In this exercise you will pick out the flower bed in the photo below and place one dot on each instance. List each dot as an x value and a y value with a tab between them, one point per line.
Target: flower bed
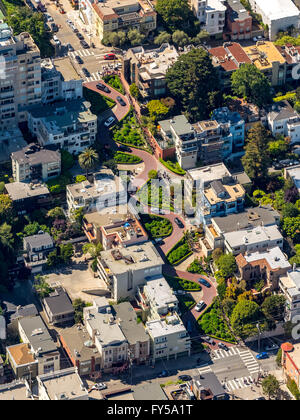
179	252
114	81
173	166
122	157
157	226
178	283
129	133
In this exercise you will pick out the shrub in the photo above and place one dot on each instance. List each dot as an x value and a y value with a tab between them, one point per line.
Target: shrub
121	157
292	386
173	166
114	81
157	226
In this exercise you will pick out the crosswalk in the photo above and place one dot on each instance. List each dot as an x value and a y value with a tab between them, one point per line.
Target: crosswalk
249	361
219	354
204	369
81	53
238	383
94	77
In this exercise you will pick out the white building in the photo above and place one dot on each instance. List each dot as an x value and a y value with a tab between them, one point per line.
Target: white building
211	14
279	15
290	287
67	125
126	269
169	338
258	239
62	385
107	190
106	334
284	120
294	174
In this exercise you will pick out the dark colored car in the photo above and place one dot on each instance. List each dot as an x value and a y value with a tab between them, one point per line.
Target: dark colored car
185	378
54	27
222	346
124	148
78	59
86	72
204	282
102	87
163	374
79	36
121	101
179	222
84	44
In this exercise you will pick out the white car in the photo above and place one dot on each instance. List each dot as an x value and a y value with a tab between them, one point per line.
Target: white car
100	386
56	40
109	121
200	305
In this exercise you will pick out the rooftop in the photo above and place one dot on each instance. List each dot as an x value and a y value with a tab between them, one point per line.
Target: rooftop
224	116
171	325
132	331
220	191
250	218
251	237
150	391
63	385
179	124
274	257
281	111
134	257
278	9
17	390
11	140
238	10
66	69
79	343
230	56
159	292
294	174
59	302
209	173
20	354
263	54
37	334
295	355
209	381
39	240
108	216
291	282
33	154
21	191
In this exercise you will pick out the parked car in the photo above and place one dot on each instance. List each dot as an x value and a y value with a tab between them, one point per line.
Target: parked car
185	378
163	374
78	59
109	121
84	44
79	36
200	306
262	355
102	87
54	27
208	340
180	292
179	223
271	347
99	386
86	72
222	346
70	48
56	40
159	241
109	56
204	282
121	101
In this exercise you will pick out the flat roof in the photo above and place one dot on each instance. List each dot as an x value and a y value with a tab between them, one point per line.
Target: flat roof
291	282
37	334
34	154
263	54
20	353
108	216
14	391
274	257
134	257
295	355
132	331
294	173
179	124
159	291
257	235
63	385
65	67
77	338
209	173
159	327
150	391
278	9
21	190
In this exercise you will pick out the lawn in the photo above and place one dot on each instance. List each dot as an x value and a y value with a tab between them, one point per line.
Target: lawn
157	226
129	132
99	103
121	157
179	252
173	166
196	267
114	81
178	283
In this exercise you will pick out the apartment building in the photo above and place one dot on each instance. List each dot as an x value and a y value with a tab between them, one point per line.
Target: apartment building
60	81
258	239
126	269
157	299
293	173
113	230
284	120
16	391
113	15
290	361
28	197
267	265
34	163
279	15
233	127
104	330
68	125
238	21
36	250
169	338
62	385
248	219
20	82
289	285
33	331
211	15
58	307
22	361
148	68
291	54
134	332
106	190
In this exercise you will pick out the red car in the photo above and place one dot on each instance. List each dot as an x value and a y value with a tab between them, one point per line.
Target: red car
109	56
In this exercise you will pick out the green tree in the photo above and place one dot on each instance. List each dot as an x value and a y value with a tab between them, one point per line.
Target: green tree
152	174
243	317
291	227
67	160
162	37
66	252
250	83
157	109
78	305
256	157
42	287
56	213
278	148
201	37
175	13
88	159
53	259
226	265
80	178
194	83
93	249
180	38
6	236
270	386
134	91
77	215
135	37
273	307
279	357
6	208
289	210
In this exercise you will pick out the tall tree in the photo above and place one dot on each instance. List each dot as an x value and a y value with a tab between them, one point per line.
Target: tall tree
194	82
176	14
270	386
249	82
256	157
88	159
93	249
